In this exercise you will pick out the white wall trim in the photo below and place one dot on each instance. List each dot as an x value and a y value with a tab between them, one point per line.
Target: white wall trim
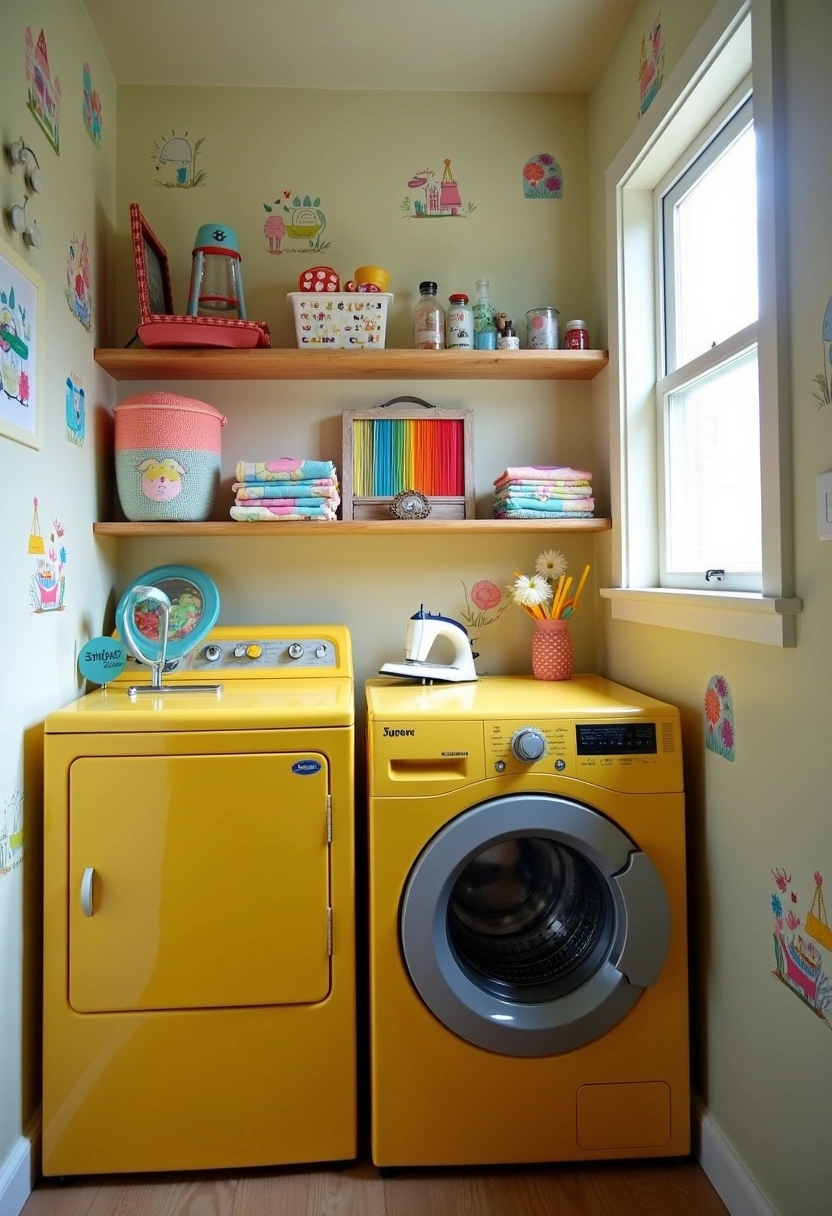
726	1173
20	1170
743	615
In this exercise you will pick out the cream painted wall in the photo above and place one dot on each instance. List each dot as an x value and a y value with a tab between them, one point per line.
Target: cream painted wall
40	649
357	151
763	1060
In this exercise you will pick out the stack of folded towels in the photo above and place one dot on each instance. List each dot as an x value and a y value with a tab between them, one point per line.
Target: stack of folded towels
286	488
543	492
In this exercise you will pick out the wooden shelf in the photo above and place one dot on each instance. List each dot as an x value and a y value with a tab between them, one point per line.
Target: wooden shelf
211	364
351	527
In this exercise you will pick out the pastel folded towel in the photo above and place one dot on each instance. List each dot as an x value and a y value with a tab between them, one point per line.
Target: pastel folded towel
552	506
518	514
297	503
555	489
543	472
285	468
272	514
322	487
543	494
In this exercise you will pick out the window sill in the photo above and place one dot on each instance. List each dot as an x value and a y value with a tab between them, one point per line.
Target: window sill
746	616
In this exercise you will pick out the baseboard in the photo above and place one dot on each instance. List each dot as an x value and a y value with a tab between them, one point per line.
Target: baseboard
19	1171
725	1171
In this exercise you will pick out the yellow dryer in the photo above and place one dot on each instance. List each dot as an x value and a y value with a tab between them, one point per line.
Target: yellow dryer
528	945
199	959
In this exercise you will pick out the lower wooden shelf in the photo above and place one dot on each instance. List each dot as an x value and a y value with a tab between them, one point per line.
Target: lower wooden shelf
351	526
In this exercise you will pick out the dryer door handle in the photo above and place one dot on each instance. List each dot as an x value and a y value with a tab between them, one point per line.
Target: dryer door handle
87	890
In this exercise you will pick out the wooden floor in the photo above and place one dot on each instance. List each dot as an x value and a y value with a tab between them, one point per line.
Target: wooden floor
650	1188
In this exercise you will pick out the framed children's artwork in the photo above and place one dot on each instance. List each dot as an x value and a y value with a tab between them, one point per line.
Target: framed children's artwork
152	269
158	324
22	302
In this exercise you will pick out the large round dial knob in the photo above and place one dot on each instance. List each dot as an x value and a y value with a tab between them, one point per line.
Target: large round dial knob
212	653
295	650
528	744
253	651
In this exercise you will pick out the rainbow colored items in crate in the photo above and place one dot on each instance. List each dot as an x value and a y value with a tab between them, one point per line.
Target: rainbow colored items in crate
343	320
168	451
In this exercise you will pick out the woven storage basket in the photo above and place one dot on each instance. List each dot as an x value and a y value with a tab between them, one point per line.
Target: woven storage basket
168	451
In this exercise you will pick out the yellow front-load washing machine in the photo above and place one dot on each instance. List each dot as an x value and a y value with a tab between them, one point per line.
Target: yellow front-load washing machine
199	958
528	958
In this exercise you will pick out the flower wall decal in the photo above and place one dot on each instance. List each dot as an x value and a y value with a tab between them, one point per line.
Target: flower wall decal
719	718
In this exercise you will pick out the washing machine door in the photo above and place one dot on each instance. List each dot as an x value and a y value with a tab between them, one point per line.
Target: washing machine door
531	924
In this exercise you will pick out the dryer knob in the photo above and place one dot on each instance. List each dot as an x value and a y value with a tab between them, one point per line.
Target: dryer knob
253	651
295	650
212	653
528	745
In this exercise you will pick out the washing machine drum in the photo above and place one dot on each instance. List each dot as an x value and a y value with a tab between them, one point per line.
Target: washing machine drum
531	924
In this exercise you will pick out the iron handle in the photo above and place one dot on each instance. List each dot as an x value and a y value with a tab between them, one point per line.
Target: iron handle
87	890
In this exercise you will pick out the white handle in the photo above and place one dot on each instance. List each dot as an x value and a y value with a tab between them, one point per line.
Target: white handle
87	890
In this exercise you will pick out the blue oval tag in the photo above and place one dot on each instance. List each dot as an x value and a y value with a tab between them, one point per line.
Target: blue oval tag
102	659
305	768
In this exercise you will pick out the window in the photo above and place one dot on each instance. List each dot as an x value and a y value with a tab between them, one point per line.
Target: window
707	400
699	405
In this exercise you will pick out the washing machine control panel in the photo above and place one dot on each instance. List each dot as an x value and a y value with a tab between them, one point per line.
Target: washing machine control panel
247	653
636	754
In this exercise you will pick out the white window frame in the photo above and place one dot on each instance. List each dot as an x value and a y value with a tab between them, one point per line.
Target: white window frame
672	375
738	37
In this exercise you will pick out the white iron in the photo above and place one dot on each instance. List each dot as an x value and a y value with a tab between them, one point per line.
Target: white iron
422	631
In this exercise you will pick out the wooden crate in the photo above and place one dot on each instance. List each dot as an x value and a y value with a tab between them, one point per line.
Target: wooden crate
447	506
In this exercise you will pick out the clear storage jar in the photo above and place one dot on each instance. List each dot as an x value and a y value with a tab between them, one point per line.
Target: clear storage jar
542	328
429	319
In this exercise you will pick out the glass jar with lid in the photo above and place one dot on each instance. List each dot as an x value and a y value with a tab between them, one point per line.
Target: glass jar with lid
459	323
429	319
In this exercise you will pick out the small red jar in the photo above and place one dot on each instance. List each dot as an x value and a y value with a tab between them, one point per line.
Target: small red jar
576	336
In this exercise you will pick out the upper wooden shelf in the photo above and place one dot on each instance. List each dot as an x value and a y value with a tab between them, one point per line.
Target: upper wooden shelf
341	527
292	364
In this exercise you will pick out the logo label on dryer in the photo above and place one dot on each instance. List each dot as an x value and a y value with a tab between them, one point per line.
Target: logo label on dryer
306	768
390	733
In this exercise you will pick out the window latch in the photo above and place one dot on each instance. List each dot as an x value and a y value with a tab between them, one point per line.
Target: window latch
716	575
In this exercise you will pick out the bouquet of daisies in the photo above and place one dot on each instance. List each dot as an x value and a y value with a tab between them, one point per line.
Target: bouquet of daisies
545	595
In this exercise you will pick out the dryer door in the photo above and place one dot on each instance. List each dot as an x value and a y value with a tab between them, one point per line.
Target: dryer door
531	924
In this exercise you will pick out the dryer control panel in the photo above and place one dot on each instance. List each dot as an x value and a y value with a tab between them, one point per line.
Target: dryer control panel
252	651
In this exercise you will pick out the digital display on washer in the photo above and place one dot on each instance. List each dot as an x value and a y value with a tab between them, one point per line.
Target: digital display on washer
623	739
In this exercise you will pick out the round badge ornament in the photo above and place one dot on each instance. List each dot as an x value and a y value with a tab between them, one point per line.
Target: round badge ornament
410	504
102	659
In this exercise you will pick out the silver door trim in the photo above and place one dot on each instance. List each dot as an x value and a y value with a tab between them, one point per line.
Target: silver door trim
640	938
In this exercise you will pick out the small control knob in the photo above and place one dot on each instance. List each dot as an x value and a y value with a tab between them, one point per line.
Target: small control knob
253	651
528	745
320	652
295	650
212	653
239	650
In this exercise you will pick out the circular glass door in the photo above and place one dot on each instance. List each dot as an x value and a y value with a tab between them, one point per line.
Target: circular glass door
530	919
531	924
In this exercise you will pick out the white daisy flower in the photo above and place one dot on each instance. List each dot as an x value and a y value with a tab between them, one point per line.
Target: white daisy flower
529	590
551	564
